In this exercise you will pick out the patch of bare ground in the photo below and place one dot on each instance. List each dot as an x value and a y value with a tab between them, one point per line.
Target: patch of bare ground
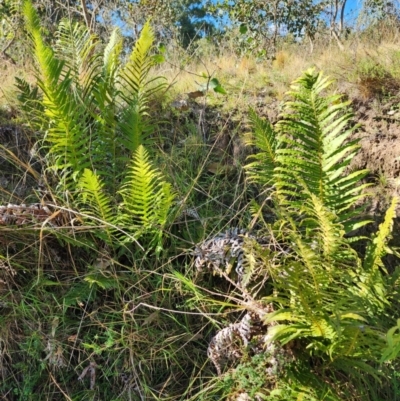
379	136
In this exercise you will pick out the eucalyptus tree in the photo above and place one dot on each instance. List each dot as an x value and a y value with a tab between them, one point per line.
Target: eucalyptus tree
264	21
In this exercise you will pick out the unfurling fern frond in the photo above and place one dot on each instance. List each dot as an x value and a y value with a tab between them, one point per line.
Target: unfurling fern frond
146	197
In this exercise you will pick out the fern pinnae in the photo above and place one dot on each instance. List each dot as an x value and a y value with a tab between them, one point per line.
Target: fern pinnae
334	126
132	126
311	152
335	163
135	72
331	231
30	103
262	165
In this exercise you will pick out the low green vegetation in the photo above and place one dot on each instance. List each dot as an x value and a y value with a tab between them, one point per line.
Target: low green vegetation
140	263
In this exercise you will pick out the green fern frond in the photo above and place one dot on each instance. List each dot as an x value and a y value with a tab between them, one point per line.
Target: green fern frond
75	46
30	103
43	53
315	148
322	230
133	126
330	233
135	73
67	132
310	142
93	196
261	170
112	53
137	89
165	200
371	286
146	196
102	97
378	247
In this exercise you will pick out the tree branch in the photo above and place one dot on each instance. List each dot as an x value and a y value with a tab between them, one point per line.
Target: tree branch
4	50
87	16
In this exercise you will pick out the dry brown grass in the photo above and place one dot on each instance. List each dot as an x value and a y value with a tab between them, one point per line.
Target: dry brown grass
281	60
250	82
7	81
246	79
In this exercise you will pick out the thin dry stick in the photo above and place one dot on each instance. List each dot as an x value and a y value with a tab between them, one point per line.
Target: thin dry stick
170	310
58	386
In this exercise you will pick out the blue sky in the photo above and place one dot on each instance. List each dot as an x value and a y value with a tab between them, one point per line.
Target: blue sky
352	8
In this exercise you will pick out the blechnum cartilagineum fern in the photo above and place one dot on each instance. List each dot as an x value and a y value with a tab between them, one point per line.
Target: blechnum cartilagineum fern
330	305
309	151
94	111
95	107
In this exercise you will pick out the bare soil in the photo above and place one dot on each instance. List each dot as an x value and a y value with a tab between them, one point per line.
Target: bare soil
380	148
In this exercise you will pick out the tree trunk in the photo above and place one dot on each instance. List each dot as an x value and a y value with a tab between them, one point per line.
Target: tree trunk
341	26
87	16
338	41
